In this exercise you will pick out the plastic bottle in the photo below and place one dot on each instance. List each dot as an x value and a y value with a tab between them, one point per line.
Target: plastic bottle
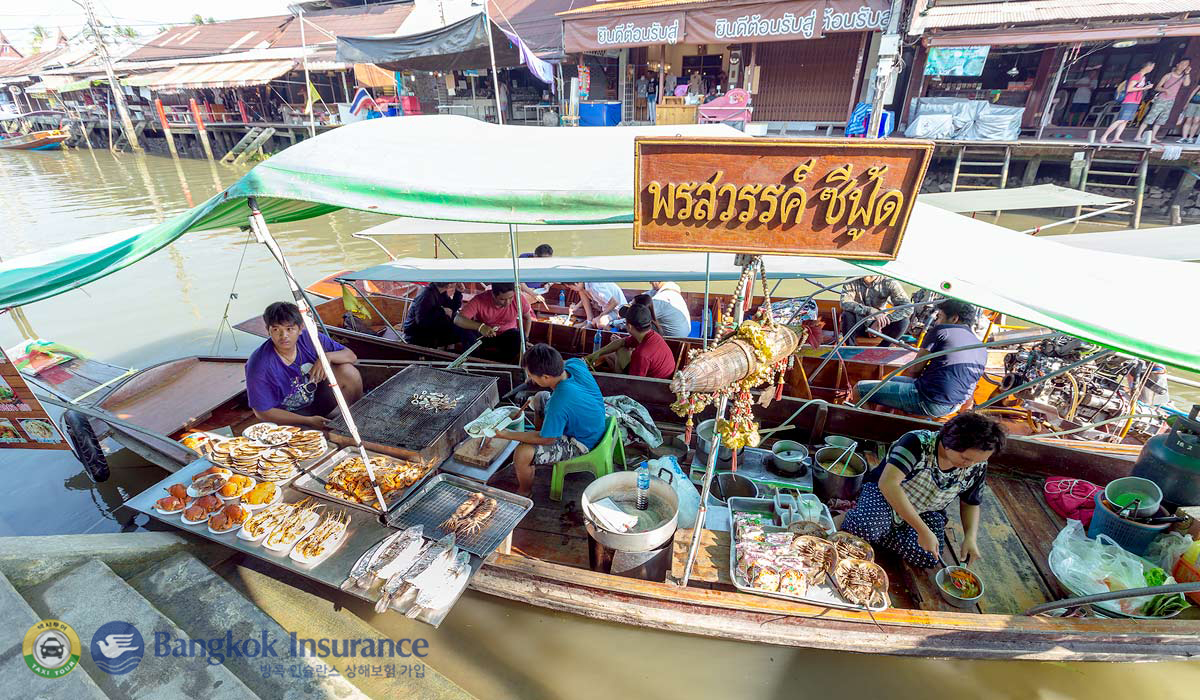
643	486
597	342
562	297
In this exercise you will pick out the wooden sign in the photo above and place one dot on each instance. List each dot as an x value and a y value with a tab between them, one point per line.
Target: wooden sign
23	422
845	198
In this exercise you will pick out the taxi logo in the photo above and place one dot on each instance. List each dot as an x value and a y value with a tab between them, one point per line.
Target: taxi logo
117	648
51	649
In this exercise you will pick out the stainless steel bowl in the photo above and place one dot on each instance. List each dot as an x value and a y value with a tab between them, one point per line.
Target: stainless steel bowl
942	574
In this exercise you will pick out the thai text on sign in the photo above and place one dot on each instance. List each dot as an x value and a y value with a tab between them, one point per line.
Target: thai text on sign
831	197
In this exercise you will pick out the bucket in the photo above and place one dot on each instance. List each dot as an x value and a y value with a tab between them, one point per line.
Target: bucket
1133	537
1122	492
726	485
829	485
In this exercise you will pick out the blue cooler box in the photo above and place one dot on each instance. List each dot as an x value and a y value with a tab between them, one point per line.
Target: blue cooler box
599	113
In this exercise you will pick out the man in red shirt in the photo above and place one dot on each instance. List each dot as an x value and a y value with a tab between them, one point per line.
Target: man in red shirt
644	353
493	314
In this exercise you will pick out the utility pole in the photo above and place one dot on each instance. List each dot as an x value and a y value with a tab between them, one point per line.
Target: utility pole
889	54
118	95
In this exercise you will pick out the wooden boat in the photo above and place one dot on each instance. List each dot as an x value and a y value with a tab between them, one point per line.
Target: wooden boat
51	140
548	563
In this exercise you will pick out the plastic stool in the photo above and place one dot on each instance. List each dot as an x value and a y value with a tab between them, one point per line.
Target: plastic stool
599	461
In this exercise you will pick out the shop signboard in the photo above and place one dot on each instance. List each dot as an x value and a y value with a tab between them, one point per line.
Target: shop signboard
844	198
23	422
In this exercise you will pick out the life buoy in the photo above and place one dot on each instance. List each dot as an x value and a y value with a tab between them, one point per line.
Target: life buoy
86	446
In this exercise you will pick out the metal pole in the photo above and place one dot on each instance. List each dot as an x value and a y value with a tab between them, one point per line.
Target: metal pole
884	72
704	313
263	235
848	334
312	128
1046	112
520	301
709	471
113	84
495	75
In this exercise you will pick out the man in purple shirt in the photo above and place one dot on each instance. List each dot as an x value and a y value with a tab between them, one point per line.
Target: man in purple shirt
285	382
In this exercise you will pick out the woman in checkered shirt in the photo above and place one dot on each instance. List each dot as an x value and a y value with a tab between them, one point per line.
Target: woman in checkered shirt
902	507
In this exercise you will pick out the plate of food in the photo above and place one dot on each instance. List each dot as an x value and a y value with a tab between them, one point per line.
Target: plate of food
229	519
258	430
258	525
208	483
326	537
266	493
276	465
176	500
39	430
202	509
295	526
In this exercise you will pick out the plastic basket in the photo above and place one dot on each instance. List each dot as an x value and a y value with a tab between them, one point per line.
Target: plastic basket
1133	537
1186	572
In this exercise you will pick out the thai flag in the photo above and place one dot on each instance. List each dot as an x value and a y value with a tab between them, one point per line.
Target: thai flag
362	100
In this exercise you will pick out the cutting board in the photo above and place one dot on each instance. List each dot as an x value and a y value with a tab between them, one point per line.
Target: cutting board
471	454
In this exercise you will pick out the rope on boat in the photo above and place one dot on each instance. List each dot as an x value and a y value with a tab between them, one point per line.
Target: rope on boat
224	322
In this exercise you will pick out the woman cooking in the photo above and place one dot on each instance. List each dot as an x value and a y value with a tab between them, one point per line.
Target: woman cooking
902	508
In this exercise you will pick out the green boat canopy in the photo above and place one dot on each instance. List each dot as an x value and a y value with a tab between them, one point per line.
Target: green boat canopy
459	169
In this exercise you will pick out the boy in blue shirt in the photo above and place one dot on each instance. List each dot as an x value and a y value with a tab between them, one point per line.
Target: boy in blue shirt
572	414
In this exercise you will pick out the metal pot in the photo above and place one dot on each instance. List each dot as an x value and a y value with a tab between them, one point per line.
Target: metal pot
704	436
726	485
829	485
656	525
793	464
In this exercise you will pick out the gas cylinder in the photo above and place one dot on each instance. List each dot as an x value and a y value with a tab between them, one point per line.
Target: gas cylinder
1173	460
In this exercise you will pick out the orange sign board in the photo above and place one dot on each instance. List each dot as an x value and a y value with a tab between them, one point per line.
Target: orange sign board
845	198
23	422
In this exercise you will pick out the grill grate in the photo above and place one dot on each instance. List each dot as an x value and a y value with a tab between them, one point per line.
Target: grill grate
438	501
386	415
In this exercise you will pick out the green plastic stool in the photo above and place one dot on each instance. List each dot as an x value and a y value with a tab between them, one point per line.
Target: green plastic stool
598	461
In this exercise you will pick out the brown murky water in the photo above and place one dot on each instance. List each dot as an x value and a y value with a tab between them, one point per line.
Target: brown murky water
174	302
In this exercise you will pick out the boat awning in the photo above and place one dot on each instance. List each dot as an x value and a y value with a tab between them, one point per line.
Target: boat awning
531	175
146	79
80	84
1166	243
1033	197
372	76
191	76
460	45
676	267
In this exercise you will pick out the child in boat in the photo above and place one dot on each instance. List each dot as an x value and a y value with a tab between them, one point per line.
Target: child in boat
643	353
285	382
570	416
902	506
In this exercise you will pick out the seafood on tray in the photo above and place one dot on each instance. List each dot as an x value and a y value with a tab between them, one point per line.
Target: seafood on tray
265	520
490	421
396	551
440	593
276	465
816	554
436	557
861	582
261	495
229	519
324	538
202	509
302	520
471	515
852	546
237	486
257	431
349	480
435	401
176	500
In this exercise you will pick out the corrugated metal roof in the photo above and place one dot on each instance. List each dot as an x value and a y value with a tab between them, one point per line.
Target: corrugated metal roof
616	5
323	27
31	64
1037	11
222	75
210	39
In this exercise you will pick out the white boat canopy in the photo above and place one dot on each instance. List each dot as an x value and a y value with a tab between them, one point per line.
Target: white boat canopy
1165	243
1016	198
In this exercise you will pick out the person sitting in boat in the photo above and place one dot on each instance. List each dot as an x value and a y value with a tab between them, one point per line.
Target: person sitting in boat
671	310
867	295
532	295
569	416
903	503
939	385
600	301
285	382
643	353
430	319
493	315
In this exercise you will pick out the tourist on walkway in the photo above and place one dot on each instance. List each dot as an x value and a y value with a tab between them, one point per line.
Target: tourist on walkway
1131	98
1164	99
902	507
1190	117
943	383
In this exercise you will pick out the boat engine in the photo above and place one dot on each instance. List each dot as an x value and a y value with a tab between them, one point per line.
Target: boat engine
1091	393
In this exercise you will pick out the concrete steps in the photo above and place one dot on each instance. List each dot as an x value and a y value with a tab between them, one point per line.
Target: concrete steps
181	589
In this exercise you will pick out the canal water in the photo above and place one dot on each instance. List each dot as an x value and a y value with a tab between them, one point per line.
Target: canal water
179	301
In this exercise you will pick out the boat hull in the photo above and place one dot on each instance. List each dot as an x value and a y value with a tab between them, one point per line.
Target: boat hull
35	141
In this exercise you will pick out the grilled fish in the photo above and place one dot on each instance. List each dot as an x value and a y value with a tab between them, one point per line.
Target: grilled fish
436	594
398	582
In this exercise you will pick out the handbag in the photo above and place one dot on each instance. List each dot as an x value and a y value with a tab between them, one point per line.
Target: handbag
1073	499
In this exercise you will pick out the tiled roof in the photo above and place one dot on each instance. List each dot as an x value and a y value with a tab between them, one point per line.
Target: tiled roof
372	20
32	64
992	14
211	39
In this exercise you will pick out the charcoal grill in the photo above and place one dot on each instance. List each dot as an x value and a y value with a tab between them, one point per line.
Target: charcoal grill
437	501
390	424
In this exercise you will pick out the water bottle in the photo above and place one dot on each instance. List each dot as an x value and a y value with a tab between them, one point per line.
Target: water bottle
643	486
562	297
597	343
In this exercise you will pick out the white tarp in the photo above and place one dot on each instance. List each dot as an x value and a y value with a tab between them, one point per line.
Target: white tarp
1166	243
1014	198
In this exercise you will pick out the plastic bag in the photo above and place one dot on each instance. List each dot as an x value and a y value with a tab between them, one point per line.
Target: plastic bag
689	497
1087	567
1166	549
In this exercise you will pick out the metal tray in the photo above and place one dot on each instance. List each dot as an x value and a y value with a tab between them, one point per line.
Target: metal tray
306	483
437	500
822	593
